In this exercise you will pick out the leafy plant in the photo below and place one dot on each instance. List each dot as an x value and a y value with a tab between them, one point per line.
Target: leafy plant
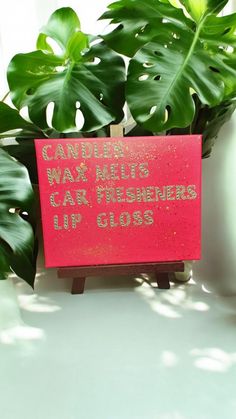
82	81
81	77
181	75
17	245
182	71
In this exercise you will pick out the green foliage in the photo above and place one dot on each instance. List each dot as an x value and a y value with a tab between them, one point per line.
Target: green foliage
16	235
200	8
175	58
182	69
80	78
139	21
10	119
12	125
210	121
207	121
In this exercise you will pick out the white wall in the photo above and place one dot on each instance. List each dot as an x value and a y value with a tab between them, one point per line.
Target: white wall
217	269
218	266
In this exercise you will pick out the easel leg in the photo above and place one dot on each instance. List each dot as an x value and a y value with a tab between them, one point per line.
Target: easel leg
162	279
78	286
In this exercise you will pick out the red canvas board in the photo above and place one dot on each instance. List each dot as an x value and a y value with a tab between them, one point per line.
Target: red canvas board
120	200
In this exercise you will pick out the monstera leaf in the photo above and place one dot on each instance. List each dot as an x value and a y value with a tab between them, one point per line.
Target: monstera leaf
13	125
10	119
197	9
139	21
16	234
79	79
182	59
210	122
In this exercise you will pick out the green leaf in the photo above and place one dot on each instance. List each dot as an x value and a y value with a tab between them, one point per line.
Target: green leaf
139	21
218	36
164	74
200	8
12	125
10	119
24	152
4	261
16	234
211	121
77	44
88	80
61	27
208	122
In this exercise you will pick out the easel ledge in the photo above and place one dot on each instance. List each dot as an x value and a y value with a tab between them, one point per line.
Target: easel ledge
160	270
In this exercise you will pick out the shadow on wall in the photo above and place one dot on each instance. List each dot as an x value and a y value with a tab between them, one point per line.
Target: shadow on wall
217	269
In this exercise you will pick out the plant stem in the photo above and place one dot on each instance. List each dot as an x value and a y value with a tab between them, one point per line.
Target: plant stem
4	97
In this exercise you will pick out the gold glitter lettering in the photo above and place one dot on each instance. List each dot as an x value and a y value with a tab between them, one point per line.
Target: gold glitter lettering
56	223
110	195
114	170
81	197
75	220
148	217
131	196
73	151
150	194
65	225
66	222
170	193
102	174
180	192
112	220
125	219
87	150
107	151
68	199
160	193
141	195
96	151
143	170
133	167
54	175
123	172
81	173
138	219
45	152
192	192
101	222
67	176
52	200
100	194
120	194
119	149
59	153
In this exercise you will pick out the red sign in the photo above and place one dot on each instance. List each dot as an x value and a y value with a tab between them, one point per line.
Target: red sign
120	200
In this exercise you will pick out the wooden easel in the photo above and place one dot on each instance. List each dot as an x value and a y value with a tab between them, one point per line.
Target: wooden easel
160	270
